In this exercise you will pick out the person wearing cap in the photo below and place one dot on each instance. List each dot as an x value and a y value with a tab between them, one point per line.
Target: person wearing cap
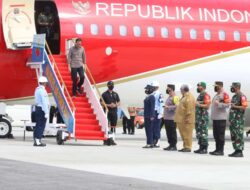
112	101
149	115
42	110
159	109
220	104
202	118
77	61
236	119
185	118
169	111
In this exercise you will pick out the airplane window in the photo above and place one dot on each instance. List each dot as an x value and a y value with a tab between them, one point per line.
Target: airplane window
222	35
108	30
137	31
236	36
164	32
193	34
79	28
123	30
248	36
207	34
94	29
178	33
151	32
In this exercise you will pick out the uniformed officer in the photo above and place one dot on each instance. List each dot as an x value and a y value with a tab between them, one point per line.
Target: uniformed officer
236	119
220	104
185	118
42	110
201	118
159	109
149	115
112	101
169	111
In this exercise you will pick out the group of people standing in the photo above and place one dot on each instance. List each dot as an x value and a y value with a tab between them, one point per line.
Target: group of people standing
187	114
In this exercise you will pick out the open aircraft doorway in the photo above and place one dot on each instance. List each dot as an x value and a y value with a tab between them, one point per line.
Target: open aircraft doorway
47	22
18	23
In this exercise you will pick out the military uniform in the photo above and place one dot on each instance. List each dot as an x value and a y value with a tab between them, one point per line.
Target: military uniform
236	119
202	119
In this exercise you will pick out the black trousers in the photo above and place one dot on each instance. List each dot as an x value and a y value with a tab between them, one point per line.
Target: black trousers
131	124
170	127
40	123
219	127
74	72
125	124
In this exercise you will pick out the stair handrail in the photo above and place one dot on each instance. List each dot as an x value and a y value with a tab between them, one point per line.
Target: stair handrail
60	77
97	89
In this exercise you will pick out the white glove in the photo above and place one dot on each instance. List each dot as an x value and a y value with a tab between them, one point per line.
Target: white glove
160	116
46	116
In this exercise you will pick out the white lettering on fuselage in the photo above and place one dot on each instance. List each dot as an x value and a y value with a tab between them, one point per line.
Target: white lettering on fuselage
171	13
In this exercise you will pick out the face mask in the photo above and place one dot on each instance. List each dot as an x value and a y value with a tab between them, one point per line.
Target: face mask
110	87
167	91
233	90
146	91
216	88
198	90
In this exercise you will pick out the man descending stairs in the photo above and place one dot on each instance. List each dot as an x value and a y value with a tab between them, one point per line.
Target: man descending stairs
86	124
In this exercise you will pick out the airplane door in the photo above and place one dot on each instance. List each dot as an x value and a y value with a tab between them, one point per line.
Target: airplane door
18	23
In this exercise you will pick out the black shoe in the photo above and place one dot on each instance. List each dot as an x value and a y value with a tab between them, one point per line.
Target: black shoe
79	90
184	150
213	152
203	151
124	133
167	148
217	153
197	151
113	143
132	133
236	154
156	146
247	133
148	146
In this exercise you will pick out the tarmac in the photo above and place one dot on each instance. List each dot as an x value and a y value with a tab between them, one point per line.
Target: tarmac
90	165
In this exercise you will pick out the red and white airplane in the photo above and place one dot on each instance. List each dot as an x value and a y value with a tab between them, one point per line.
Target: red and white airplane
132	43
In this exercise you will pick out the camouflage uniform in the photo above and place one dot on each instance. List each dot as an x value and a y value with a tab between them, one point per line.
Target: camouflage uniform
202	120
236	119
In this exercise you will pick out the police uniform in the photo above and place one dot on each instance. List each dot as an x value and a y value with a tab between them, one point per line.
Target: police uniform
149	115
219	115
111	97
170	125
237	119
202	119
41	113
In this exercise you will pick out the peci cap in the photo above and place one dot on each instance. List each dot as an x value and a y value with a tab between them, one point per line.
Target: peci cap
236	84
172	86
42	79
110	83
203	84
218	83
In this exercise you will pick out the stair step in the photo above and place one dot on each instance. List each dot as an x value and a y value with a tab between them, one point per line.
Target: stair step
85	115
89	133
86	121
82	104
89	127
84	110
90	138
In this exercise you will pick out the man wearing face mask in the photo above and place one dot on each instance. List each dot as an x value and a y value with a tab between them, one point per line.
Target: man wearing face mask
169	111
112	101
149	115
201	118
220	104
236	118
185	118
